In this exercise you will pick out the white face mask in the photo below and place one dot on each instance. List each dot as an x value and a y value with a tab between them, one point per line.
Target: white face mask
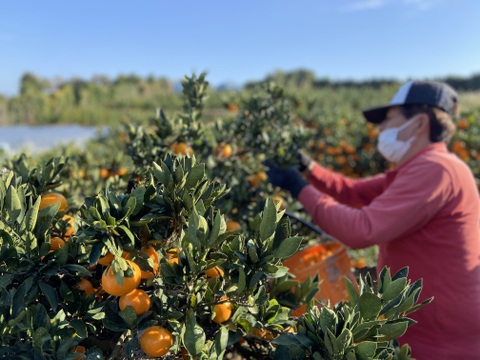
390	147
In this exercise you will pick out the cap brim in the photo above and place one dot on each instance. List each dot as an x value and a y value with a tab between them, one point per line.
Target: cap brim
376	115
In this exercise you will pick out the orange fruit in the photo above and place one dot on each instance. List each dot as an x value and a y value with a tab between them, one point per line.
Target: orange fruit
223	150
278	199
182	148
56	243
138	299
264	334
122	171
106	260
80	350
111	286
156	341
257	178
232	107
71	225
463	123
104	173
233	225
214	272
152	254
86	286
222	311
51	198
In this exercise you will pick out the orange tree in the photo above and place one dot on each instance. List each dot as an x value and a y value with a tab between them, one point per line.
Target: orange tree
174	210
39	299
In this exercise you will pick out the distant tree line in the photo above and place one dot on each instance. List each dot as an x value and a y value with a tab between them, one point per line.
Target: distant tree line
306	79
105	101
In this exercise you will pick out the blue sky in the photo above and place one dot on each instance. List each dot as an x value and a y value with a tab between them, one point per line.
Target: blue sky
238	41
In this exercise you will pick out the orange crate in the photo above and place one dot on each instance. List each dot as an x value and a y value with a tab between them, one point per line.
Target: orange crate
331	262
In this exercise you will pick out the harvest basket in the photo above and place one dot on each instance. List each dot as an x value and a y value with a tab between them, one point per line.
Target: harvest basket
331	262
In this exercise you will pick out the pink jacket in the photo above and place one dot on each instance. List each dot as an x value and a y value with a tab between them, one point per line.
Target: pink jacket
425	214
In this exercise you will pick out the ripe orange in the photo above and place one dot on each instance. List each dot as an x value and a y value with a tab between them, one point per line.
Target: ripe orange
222	311
278	199
104	173
463	123
122	171
214	272
56	243
232	107
182	148
264	334
156	341
233	225
223	150
86	286
152	254
71	225
106	260
111	286
257	178
138	299
51	198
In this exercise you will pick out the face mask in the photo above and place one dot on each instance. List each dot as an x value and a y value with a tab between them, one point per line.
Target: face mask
390	147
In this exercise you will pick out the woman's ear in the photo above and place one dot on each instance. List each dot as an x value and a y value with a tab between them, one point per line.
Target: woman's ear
423	124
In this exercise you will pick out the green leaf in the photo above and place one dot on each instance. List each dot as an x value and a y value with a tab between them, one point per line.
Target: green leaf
215	231
194	337
269	220
221	341
402	273
242	281
31	216
129	316
384	279
343	341
392	331
352	291
129	208
366	350
287	247
79	327
139	194
50	294
394	289
369	305
40	336
79	270
112	320
18	299
195	175
13	204
129	234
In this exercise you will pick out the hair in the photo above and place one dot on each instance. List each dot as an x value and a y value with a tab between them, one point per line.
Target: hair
442	127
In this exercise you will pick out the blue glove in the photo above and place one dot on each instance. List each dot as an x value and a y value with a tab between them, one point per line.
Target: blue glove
289	179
